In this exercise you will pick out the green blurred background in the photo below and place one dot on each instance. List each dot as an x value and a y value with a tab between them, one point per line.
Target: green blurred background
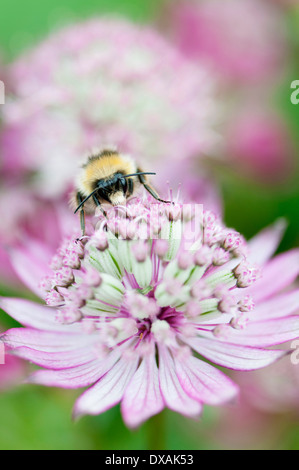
33	417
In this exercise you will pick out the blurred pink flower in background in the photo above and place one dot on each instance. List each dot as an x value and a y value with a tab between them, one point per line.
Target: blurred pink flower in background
12	372
258	143
275	391
243	41
30	224
12	369
266	409
114	303
103	82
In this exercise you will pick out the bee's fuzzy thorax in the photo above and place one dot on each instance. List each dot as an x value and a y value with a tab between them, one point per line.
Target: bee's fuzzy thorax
102	166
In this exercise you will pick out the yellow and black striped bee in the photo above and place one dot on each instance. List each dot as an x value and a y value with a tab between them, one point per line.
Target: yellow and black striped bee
108	177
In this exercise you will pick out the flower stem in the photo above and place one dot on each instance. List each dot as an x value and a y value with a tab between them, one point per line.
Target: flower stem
156	432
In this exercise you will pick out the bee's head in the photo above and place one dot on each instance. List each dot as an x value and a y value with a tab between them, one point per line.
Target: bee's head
114	189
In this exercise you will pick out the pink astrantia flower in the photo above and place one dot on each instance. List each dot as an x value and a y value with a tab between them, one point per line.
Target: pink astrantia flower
131	305
99	82
242	40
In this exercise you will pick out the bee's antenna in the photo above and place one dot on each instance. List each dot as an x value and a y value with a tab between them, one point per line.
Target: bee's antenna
139	173
84	200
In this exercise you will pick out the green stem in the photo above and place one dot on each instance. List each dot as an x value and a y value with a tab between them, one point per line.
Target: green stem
156	432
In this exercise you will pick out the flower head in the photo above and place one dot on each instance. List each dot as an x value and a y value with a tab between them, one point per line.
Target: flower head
142	295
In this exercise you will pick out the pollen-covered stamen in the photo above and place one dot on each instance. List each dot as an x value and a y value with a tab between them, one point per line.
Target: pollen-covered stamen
54	298
201	290
92	277
162	332
56	262
118	331
85	291
68	314
246	304
212	233
46	284
222	331
100	240
208	218
227	304
203	256
240	321
232	241
65	246
77	247
184	260
161	248
235	243
140	250
220	256
64	277
72	260
193	309
75	298
246	274
133	211
141	306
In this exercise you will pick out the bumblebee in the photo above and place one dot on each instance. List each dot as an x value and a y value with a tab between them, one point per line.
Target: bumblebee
108	177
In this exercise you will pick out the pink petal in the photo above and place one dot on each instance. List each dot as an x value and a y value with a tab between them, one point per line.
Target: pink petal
266	332
265	243
174	395
277	307
234	356
35	315
203	382
31	264
279	273
75	377
47	341
142	397
55	350
57	360
108	391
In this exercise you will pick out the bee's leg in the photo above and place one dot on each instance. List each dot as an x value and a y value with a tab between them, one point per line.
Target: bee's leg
130	186
150	189
98	204
82	214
